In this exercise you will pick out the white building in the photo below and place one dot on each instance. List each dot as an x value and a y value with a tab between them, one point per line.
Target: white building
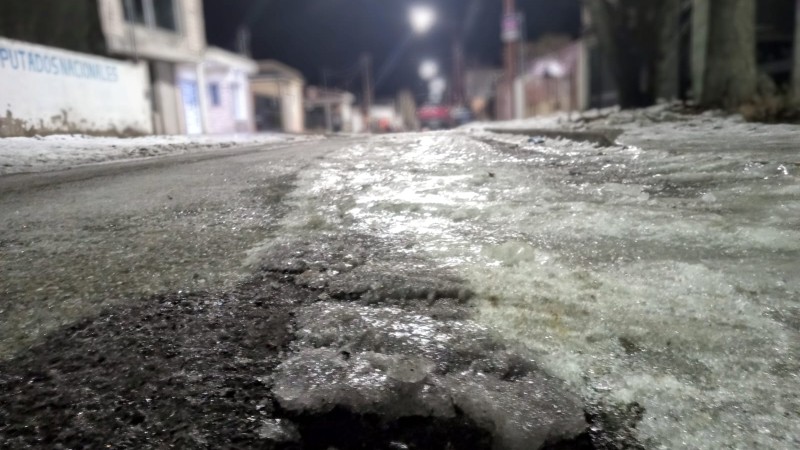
277	91
161	77
230	106
329	110
170	36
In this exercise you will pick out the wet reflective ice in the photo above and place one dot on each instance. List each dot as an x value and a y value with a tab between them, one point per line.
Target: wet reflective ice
664	277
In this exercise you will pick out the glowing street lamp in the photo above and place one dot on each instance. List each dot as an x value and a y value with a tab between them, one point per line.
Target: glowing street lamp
422	18
428	69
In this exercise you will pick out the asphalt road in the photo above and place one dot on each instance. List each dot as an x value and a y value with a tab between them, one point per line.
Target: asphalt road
174	303
75	241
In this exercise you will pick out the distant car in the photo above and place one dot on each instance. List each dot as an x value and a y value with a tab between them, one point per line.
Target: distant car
435	117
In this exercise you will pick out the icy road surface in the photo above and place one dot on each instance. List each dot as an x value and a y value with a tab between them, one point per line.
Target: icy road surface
667	278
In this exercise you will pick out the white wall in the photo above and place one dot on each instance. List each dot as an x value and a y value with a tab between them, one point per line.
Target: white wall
232	114
166	98
47	90
189	86
294	116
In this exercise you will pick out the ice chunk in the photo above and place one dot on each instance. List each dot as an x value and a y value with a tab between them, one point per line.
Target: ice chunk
317	380
396	363
450	344
278	430
522	415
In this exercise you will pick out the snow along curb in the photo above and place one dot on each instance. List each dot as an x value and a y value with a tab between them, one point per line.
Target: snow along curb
59	152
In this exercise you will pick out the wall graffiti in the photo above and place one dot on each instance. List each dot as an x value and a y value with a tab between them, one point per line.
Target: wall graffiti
12	58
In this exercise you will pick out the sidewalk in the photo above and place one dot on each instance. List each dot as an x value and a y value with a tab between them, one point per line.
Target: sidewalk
667	127
59	152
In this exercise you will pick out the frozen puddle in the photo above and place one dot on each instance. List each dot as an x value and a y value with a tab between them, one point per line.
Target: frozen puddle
662	279
397	364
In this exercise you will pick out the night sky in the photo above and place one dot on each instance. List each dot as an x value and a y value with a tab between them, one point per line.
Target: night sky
312	35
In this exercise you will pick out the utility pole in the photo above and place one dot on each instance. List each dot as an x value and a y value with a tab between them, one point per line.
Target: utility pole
328	114
457	90
243	41
511	47
366	67
511	37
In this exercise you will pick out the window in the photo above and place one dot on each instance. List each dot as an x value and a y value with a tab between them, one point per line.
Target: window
152	13
164	11
134	11
213	93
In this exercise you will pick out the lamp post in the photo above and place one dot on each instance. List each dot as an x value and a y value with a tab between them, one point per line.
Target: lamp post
422	18
511	37
428	69
366	67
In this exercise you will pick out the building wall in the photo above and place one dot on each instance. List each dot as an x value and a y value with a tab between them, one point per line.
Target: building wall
293	113
290	94
47	90
229	110
556	81
167	114
174	55
191	104
135	40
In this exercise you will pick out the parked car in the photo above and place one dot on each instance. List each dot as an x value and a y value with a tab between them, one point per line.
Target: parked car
461	115
434	117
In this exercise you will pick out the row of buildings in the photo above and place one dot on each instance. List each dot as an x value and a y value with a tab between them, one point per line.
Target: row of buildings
144	67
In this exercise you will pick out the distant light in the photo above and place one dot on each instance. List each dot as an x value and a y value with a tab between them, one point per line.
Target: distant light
422	18
436	89
428	69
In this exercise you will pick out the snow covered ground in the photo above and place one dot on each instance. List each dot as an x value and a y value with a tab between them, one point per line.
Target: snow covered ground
663	275
57	152
668	127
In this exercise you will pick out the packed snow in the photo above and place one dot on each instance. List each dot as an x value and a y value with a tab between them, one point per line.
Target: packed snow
57	152
663	275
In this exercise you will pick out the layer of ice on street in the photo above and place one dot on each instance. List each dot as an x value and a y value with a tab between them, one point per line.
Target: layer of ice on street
666	277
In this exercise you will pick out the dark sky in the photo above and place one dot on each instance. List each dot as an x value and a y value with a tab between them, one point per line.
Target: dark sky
314	34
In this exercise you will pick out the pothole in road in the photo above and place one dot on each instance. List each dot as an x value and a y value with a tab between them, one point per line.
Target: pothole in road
270	365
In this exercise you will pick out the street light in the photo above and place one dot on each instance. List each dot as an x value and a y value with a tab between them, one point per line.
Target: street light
422	18
428	69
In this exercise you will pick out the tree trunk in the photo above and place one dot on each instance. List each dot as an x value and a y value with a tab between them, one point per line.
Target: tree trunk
622	30
796	70
729	73
668	66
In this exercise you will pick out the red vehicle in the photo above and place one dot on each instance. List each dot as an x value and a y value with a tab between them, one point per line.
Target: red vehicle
434	117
